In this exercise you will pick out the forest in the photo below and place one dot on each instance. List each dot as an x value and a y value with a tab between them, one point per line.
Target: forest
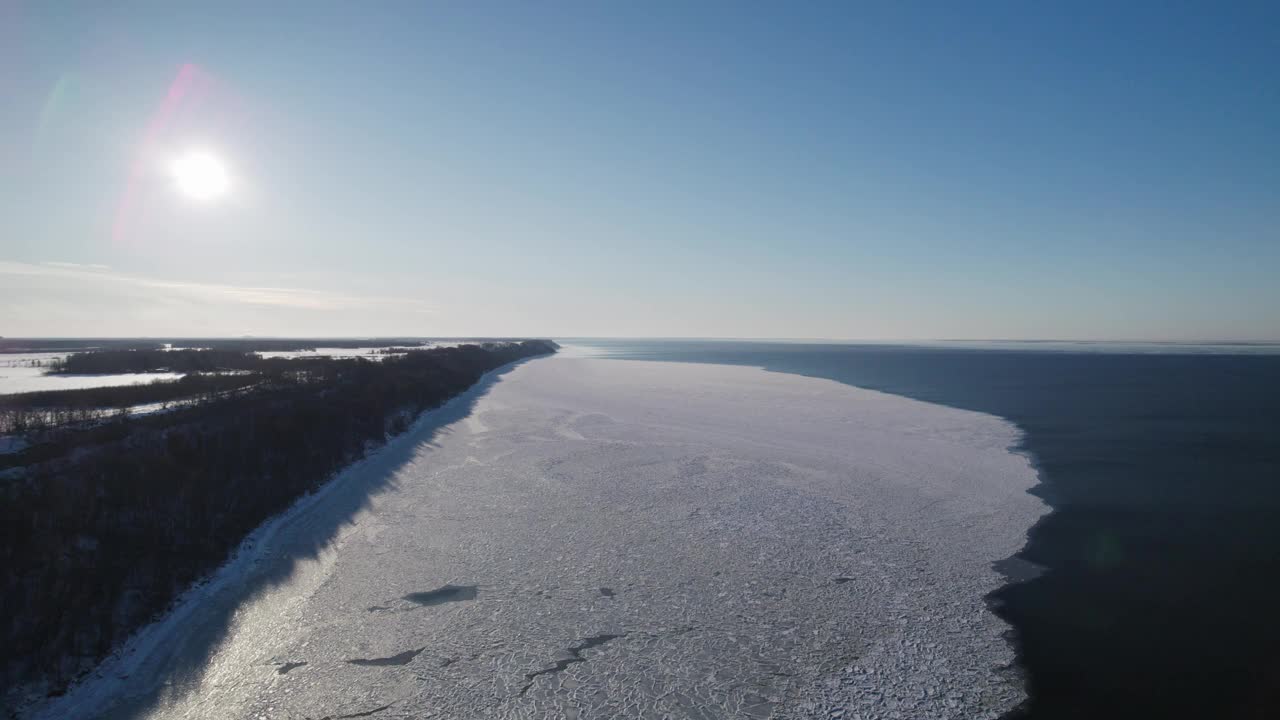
43	411
109	362
104	523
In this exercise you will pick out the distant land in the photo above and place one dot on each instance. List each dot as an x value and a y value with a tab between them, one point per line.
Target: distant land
118	498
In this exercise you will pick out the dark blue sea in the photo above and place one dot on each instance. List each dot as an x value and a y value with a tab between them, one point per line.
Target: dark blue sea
1161	595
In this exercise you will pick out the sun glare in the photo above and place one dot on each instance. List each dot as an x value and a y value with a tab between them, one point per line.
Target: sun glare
200	175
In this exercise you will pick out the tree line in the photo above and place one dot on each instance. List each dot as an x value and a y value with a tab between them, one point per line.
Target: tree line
104	525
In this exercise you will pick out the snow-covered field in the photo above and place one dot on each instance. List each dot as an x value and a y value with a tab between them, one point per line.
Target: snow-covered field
20	379
601	538
370	353
25	372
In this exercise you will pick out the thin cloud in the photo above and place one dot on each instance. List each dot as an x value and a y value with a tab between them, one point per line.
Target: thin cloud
296	298
77	266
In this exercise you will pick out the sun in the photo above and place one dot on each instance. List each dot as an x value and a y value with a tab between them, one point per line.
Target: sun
200	175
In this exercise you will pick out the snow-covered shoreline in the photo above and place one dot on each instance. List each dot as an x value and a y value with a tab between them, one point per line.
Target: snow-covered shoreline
112	676
775	544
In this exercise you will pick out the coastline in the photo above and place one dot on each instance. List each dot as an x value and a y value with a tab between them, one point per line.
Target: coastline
108	680
847	574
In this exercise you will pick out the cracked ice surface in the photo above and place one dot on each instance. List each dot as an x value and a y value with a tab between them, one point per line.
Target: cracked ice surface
609	538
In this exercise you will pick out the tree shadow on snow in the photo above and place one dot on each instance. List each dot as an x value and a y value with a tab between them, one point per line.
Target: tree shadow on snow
184	640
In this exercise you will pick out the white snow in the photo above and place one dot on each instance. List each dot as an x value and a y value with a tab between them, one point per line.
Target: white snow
33	379
770	544
370	353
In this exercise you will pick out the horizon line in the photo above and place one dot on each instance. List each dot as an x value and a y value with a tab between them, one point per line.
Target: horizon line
761	338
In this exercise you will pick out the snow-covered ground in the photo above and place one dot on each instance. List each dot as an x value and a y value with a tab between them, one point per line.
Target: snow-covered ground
33	379
371	353
602	538
25	372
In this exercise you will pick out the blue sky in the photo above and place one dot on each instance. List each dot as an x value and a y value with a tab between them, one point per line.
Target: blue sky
847	170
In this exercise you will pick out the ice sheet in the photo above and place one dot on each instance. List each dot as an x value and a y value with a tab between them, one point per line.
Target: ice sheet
605	538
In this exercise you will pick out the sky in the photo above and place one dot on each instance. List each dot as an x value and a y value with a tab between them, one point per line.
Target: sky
851	170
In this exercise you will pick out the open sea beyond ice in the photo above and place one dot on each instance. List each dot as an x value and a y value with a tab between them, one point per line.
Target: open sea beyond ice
1162	466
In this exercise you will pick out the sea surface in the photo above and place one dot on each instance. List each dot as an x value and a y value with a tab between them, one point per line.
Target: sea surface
1161	556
